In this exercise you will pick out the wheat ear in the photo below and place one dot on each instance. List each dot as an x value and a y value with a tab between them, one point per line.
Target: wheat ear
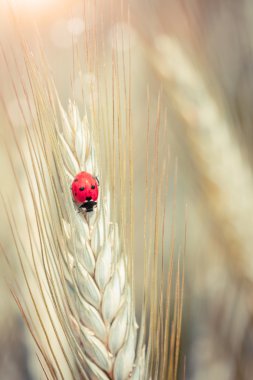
214	152
85	269
96	275
77	260
97	301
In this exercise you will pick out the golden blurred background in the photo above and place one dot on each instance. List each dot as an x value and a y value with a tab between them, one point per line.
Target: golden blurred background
197	56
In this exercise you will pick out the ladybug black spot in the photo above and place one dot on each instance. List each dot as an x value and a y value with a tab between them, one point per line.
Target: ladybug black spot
93	187
81	188
76	180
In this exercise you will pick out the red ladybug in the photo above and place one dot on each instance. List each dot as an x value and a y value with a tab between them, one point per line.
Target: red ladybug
85	191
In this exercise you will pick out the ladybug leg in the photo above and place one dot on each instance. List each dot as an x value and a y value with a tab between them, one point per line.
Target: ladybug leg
97	180
80	208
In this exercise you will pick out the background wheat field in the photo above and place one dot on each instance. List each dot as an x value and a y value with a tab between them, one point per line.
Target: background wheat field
154	97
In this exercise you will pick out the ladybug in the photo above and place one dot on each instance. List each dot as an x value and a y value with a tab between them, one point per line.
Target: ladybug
85	191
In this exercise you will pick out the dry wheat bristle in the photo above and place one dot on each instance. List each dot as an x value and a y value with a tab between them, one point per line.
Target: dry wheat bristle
82	268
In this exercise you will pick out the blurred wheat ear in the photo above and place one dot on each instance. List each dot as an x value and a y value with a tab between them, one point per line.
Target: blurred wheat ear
208	139
78	275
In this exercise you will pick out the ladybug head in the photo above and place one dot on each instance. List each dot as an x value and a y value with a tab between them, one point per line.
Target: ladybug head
84	188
